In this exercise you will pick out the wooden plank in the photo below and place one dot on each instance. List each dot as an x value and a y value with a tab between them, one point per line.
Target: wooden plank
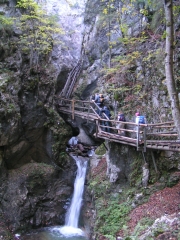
171	126
116	140
163	141
163	135
153	133
92	117
115	136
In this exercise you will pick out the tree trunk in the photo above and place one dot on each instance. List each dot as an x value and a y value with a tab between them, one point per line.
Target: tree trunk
173	95
109	33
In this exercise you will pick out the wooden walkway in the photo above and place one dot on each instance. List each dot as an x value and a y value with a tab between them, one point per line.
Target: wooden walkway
159	136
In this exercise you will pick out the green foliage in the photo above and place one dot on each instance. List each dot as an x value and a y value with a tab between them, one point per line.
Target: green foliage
37	30
6	25
152	9
10	108
110	237
136	173
111	217
142	225
101	150
51	118
176	10
99	186
112	209
6	21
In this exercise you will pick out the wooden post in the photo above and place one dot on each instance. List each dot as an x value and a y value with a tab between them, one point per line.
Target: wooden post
73	109
89	109
144	138
137	135
97	127
144	157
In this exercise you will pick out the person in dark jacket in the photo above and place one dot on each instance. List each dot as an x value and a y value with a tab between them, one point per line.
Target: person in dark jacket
121	124
106	111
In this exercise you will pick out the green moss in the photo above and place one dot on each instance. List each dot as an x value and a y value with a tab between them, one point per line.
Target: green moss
101	150
136	173
61	133
112	207
80	88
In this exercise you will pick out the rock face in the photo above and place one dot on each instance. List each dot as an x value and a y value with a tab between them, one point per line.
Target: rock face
70	16
36	195
36	174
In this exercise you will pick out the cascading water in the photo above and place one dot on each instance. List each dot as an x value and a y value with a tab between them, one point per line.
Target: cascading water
72	217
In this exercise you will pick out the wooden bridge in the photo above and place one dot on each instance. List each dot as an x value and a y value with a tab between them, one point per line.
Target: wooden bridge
162	136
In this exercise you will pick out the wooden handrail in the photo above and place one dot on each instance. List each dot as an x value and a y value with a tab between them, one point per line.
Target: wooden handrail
89	110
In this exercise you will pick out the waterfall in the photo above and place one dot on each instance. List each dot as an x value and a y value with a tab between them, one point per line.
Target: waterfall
72	216
73	213
70	230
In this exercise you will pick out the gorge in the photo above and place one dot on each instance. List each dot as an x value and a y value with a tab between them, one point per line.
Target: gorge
121	46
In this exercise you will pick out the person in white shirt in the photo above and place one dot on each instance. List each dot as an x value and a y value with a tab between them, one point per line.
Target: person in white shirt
140	119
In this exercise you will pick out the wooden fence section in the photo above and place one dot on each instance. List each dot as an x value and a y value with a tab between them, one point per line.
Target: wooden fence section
162	136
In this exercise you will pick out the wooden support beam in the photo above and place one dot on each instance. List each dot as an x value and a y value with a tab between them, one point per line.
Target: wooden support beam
144	139
143	157
154	162
137	138
73	109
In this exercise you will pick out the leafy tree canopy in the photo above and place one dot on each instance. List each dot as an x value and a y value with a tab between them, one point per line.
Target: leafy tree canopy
38	30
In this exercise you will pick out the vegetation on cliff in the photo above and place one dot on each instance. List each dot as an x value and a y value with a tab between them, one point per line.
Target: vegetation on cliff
131	76
132	212
37	31
135	80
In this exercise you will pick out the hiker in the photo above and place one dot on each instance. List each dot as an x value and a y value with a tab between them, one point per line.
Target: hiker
99	100
121	118
96	99
74	143
106	111
140	119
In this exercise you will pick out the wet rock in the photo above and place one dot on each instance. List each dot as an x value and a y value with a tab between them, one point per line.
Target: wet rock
40	193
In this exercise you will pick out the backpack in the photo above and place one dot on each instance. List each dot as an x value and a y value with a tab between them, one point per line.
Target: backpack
121	118
141	120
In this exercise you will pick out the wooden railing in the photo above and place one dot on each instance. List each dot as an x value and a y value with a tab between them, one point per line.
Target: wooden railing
142	136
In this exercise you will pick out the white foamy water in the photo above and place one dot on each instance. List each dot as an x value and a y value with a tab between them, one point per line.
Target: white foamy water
70	231
72	216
